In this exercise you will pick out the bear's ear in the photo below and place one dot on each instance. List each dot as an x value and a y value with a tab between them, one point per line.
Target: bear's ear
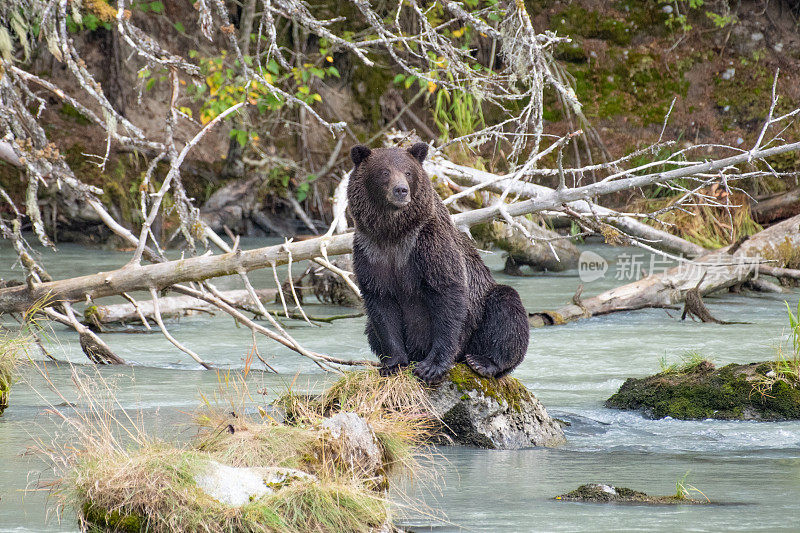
419	151
359	153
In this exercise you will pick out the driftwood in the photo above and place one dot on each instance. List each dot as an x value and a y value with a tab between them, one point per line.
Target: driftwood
169	306
546	250
776	207
711	272
135	277
658	239
693	307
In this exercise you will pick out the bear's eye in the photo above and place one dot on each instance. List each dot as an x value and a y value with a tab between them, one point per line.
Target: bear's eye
385	173
408	174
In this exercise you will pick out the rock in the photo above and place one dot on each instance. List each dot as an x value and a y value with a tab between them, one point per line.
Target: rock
755	391
492	413
237	486
359	447
602	493
536	254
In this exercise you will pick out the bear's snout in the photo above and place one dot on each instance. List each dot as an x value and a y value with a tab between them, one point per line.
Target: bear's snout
398	191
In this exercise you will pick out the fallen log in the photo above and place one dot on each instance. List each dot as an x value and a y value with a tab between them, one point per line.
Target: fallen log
658	239
776	207
169	306
135	277
709	273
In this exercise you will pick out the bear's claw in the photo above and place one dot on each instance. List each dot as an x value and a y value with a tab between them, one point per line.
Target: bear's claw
430	373
478	365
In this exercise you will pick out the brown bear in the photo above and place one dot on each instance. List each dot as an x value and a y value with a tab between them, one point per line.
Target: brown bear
429	298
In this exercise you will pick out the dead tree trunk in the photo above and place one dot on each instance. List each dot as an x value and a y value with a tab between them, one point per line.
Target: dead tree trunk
134	277
777	207
170	306
711	272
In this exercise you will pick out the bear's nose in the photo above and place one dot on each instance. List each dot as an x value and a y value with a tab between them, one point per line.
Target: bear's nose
400	192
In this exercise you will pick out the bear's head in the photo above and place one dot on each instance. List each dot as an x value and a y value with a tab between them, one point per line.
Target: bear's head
389	193
391	176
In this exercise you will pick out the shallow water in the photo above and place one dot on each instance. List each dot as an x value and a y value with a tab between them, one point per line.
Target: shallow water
753	468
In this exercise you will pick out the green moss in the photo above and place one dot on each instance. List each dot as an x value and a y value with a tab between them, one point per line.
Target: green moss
571	52
101	520
595	493
704	392
745	98
73	114
504	390
629	83
575	20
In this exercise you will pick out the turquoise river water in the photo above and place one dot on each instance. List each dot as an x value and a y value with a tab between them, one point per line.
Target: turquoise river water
751	468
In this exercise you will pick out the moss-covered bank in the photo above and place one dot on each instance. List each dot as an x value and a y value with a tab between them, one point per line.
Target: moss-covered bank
752	391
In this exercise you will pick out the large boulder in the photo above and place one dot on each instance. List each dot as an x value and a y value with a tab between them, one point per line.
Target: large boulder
237	486
491	413
357	444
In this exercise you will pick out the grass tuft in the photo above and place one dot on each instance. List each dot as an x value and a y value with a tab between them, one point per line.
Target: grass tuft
117	477
708	225
12	348
691	361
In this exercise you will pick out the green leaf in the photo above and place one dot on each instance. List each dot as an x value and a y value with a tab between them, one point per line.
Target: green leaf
157	7
397	79
179	27
272	66
242	137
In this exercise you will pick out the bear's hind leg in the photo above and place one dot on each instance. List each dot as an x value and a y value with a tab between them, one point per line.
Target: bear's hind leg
499	343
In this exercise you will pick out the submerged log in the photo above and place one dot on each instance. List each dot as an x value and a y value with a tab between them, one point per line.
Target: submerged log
711	272
170	306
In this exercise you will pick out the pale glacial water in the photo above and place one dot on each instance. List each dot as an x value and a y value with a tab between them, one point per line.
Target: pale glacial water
752	469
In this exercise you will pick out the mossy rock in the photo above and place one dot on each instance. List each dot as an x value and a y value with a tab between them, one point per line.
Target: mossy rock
601	493
99	520
491	413
734	392
505	390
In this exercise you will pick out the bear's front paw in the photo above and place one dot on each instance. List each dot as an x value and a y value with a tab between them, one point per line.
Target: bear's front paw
430	372
392	365
386	371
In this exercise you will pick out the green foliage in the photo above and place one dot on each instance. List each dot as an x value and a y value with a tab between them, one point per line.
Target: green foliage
457	112
679	12
12	348
794	327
